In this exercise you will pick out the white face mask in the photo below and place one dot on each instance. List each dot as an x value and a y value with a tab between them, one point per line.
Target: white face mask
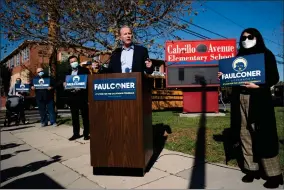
74	65
249	43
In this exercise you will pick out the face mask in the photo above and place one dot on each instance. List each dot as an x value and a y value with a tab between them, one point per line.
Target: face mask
18	82
248	43
74	65
40	74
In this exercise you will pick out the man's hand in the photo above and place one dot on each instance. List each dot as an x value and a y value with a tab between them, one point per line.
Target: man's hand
49	88
75	90
148	63
64	84
95	65
250	85
32	87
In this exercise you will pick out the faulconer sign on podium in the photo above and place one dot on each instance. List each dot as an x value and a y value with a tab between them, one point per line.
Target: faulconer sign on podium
120	112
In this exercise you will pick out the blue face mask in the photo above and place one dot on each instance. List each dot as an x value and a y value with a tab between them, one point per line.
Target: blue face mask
74	65
41	74
18	82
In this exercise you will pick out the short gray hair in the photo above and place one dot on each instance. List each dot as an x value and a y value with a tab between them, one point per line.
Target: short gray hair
124	26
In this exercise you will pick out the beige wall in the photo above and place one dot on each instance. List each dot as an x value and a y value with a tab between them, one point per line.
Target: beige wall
23	75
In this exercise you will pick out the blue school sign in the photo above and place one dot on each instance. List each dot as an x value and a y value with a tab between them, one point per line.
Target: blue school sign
236	71
22	87
41	83
76	81
114	89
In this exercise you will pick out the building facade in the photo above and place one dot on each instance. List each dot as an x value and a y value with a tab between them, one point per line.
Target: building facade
28	56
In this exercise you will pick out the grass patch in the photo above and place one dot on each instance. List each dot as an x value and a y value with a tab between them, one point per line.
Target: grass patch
184	133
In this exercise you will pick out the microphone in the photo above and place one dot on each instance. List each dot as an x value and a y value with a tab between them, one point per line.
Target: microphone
127	70
102	67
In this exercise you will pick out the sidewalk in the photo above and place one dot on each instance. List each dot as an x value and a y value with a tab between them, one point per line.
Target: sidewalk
36	157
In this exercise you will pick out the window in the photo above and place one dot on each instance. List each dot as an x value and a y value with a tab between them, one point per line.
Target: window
12	64
22	56
157	68
18	59
96	58
25	54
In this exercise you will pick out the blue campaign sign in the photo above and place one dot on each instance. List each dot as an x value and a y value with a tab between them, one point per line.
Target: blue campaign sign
41	83
237	70
22	87
76	81
115	89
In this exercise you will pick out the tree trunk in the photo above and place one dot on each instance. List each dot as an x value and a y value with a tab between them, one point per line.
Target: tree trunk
53	31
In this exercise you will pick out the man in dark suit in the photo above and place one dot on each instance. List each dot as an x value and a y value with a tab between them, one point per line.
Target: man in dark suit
45	100
78	101
129	58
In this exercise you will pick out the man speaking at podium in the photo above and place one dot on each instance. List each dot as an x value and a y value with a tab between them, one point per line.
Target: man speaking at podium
129	58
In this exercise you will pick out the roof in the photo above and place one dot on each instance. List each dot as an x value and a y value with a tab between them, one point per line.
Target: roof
25	44
17	49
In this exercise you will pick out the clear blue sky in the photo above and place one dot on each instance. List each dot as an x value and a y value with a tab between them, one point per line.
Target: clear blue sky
266	16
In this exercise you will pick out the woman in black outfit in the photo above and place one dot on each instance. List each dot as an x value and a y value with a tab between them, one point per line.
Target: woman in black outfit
253	117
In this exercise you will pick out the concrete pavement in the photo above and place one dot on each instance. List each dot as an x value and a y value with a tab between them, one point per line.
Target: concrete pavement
36	157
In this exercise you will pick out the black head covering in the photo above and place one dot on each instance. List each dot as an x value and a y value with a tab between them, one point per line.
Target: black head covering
259	46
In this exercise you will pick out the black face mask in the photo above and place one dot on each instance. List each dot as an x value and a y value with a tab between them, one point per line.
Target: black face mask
18	81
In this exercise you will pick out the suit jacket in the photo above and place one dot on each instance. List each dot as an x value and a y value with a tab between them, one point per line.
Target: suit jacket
140	55
82	94
44	94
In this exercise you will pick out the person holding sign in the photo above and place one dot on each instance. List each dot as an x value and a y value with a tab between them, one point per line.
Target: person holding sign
253	117
78	99
44	93
14	92
130	57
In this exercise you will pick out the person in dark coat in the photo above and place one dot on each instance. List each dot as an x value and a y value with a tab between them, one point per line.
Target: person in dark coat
78	101
130	57
253	116
45	100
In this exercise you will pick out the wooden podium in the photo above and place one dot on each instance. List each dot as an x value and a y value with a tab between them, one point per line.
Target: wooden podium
121	135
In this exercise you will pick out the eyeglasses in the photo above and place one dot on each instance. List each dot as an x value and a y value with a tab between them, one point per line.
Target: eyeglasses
250	37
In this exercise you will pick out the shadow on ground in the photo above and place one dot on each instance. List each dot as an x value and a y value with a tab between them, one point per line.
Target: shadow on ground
19	128
174	110
62	121
159	141
13	172
231	146
198	174
38	181
10	145
7	156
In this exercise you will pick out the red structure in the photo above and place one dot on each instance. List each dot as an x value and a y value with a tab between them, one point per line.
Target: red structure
193	66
